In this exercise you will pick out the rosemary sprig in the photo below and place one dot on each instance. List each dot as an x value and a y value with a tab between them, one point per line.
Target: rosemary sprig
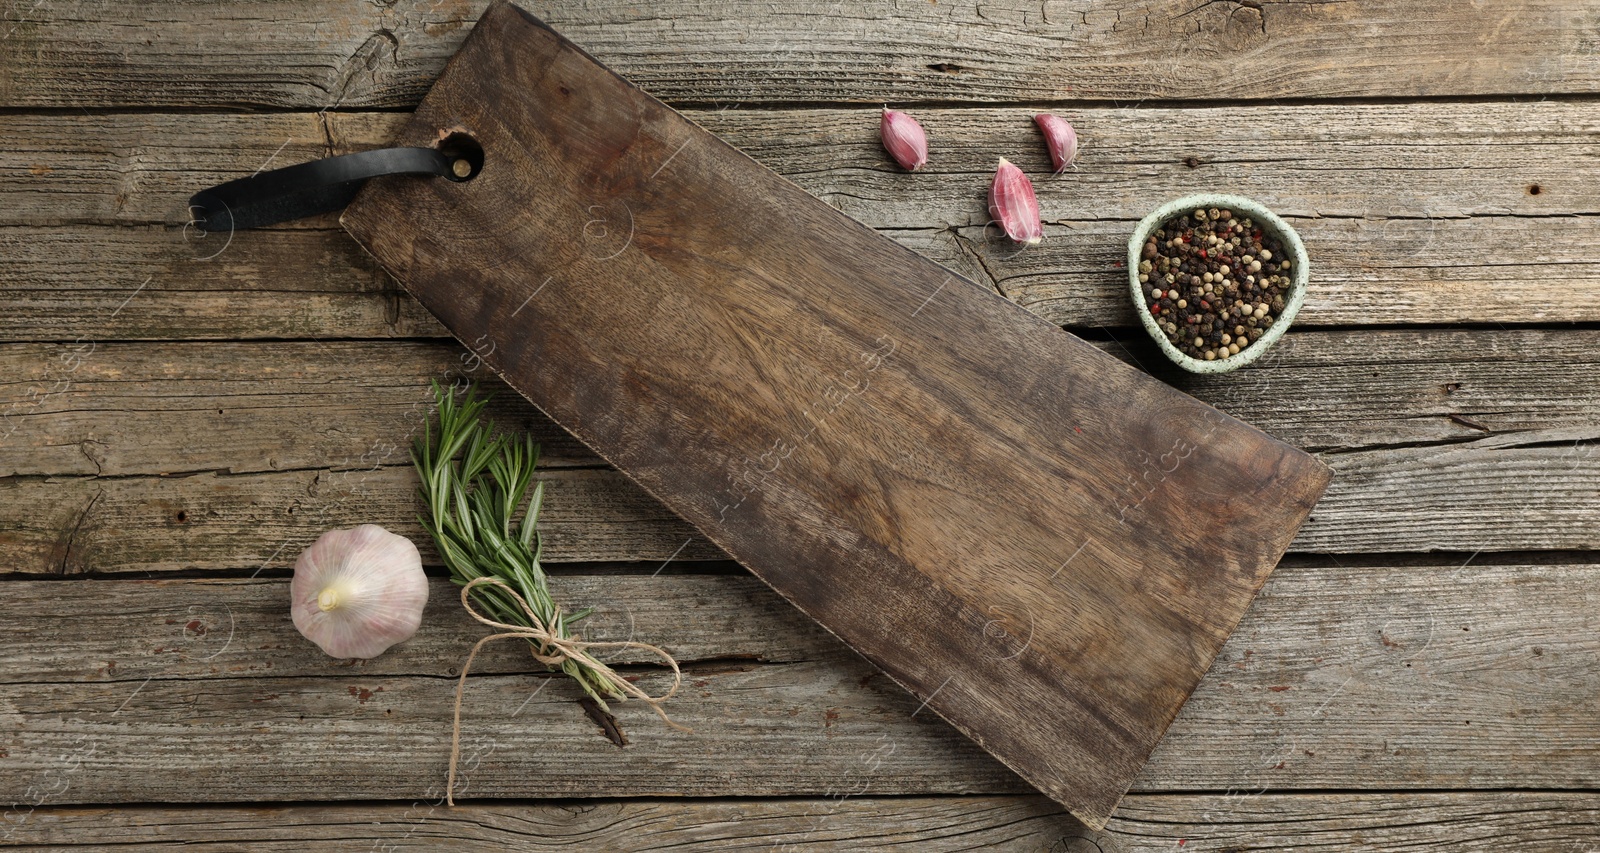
473	483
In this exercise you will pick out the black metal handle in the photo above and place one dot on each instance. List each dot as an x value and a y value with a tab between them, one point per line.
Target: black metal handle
310	188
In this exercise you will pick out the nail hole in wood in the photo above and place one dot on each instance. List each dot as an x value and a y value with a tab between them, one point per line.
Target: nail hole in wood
465	155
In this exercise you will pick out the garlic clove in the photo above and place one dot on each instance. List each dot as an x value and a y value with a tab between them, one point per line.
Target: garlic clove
904	139
1060	138
357	592
1013	205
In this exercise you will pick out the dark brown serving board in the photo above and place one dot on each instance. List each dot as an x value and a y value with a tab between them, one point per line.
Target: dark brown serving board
1047	546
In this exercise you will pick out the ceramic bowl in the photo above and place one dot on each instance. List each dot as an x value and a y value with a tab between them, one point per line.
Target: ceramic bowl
1270	224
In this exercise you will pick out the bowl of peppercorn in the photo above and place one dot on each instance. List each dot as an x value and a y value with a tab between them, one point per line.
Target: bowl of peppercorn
1216	279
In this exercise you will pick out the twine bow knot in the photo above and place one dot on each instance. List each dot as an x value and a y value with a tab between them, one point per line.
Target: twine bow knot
553	650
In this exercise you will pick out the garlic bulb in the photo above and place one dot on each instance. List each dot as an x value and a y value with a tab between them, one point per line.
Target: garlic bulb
357	592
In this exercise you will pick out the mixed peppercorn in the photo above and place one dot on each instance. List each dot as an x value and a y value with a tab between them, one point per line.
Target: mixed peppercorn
1213	282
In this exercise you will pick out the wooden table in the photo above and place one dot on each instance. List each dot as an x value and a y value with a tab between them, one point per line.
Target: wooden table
180	416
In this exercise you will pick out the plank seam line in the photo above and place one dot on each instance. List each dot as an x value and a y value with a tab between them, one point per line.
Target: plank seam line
1016	794
1494	441
1293	216
710	666
230	472
775	105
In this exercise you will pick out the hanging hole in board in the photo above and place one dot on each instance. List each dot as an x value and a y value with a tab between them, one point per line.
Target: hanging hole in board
464	153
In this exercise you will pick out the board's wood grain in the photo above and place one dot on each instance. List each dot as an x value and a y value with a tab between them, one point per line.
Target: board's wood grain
261	407
346	53
1338	678
1506	822
898	451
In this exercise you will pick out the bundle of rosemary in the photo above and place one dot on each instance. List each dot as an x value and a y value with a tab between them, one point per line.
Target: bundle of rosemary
474	482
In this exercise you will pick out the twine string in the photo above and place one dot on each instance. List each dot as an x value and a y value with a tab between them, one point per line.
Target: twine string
553	650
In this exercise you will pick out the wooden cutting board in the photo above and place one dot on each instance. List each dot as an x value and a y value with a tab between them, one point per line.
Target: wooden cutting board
1045	545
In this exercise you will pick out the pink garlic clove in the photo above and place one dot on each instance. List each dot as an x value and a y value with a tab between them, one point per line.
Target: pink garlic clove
1060	138
904	139
357	592
1013	205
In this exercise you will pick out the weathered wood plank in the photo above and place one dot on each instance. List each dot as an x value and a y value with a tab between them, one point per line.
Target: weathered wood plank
1359	390
318	434
1365	271
349	54
77	282
1495	491
1516	821
219	521
1456	233
1336	678
262	407
222	739
199	406
1257	821
1455	497
240	628
91	282
1438	160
